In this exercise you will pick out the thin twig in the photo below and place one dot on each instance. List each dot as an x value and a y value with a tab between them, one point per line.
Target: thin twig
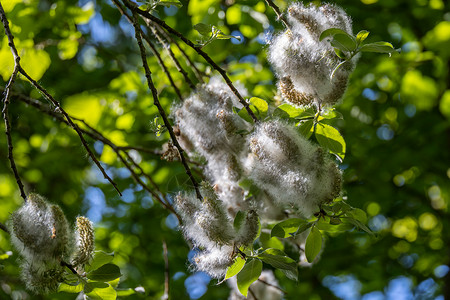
134	8
156	54
138	35
98	136
51	99
4	228
7	94
278	13
69	266
163	66
73	125
171	55
198	74
272	285
253	294
166	272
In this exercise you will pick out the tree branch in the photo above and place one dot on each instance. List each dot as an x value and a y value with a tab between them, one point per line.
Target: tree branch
4	228
156	54
20	70
134	8
199	75
96	135
7	94
278	13
272	285
138	35
171	54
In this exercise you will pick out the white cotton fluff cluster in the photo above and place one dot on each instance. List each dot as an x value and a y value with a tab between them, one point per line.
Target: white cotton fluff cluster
304	64
208	125
291	169
42	236
207	225
263	289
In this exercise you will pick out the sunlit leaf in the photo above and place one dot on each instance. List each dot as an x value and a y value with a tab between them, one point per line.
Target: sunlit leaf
285	228
249	274
313	244
330	138
235	268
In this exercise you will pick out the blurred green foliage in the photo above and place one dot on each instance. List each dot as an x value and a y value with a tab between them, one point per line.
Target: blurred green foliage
396	126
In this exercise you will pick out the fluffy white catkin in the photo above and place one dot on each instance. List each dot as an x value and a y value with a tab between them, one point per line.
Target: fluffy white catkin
208	125
291	169
304	64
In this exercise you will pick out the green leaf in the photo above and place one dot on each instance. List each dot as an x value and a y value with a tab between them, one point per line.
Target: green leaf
331	114
328	227
249	274
344	42
331	32
281	114
286	228
238	219
360	225
203	29
244	115
279	260
98	290
261	105
235	268
302	228
361	36
313	244
106	272
306	128
358	214
378	47
170	2
330	138
270	242
339	53
100	258
68	288
335	221
291	110
125	292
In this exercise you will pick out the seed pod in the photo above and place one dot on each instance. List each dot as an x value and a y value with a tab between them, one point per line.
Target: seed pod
84	234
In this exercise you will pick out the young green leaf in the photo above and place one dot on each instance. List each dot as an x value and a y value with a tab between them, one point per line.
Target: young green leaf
378	47
100	290
306	128
169	3
358	214
249	274
203	29
331	32
125	292
106	272
361	36
313	244
100	258
330	138
68	288
235	268
286	228
360	225
279	260
261	105
302	228
344	42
